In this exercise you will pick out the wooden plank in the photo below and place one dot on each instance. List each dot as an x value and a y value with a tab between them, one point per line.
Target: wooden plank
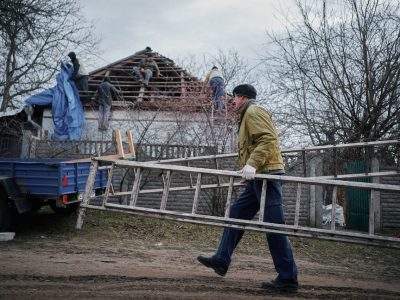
297	210
136	186
262	201
165	193
229	197
196	194
130	143
87	193
118	142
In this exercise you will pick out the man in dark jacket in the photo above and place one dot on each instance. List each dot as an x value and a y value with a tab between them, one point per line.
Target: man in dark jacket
146	68
80	75
259	152
105	91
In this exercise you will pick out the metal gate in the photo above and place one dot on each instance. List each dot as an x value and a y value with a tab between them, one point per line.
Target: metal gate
357	199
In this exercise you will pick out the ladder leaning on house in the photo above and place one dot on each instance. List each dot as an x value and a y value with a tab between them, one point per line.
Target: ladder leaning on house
132	207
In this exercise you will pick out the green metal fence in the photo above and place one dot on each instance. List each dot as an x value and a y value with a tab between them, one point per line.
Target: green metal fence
358	199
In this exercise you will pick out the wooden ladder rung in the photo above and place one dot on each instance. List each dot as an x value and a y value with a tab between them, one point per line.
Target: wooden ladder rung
229	197
165	193
136	187
297	211
262	201
109	186
196	194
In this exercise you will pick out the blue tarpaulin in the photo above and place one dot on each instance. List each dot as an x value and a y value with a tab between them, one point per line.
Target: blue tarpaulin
67	111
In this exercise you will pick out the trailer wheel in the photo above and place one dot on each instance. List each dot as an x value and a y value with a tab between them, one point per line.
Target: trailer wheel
5	217
64	211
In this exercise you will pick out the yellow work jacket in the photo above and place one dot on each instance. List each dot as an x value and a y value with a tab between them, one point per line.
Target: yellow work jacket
258	142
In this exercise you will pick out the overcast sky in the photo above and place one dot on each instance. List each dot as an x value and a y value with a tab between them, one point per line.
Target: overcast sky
177	28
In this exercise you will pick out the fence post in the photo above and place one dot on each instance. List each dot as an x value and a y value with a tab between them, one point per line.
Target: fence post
316	193
377	195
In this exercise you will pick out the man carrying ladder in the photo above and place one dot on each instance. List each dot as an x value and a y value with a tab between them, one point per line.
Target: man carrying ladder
259	152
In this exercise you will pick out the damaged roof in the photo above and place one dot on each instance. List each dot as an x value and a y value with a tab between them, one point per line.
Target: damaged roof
174	85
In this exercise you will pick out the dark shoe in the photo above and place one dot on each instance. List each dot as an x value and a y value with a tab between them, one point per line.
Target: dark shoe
281	285
209	262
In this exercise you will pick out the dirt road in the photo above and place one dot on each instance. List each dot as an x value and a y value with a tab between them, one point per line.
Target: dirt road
46	262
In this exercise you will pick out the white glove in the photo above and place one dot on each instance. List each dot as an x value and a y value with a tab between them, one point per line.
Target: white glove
248	172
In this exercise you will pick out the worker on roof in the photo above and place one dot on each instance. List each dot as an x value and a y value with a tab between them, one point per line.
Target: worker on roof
104	94
144	71
80	76
217	83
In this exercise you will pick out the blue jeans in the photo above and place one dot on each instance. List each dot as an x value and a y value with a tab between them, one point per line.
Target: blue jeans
146	75
245	208
104	115
217	91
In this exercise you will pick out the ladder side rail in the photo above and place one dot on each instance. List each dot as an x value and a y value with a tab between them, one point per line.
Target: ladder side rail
290	150
255	225
86	195
359	175
196	194
306	180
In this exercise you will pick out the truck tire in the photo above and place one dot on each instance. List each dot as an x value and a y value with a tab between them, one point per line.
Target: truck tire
64	211
5	217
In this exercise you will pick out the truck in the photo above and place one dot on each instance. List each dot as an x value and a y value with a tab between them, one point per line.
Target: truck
28	184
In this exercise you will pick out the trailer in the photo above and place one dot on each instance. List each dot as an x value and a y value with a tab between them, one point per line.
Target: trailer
28	184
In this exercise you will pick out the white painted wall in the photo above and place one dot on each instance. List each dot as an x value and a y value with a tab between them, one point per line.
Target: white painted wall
150	127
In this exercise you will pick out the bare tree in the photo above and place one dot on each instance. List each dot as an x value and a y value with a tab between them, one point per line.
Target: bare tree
34	35
336	74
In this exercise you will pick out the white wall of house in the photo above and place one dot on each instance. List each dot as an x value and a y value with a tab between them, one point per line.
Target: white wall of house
152	127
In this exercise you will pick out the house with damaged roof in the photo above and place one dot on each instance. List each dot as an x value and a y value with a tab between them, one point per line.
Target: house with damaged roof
171	110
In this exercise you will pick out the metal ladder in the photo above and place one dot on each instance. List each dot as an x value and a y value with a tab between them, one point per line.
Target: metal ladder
369	238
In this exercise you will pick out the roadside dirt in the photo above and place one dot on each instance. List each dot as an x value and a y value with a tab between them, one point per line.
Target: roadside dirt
49	260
